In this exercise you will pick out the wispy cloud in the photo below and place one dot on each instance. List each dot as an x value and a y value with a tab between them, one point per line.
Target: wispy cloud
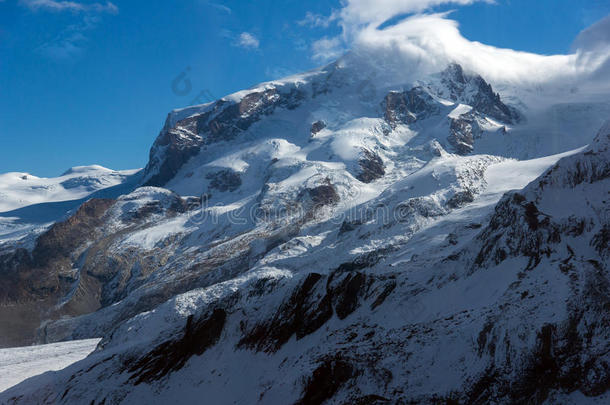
71	40
247	40
220	7
326	49
364	12
278	72
317	20
70	6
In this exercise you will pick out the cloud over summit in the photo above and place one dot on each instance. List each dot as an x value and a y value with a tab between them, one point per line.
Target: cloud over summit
422	42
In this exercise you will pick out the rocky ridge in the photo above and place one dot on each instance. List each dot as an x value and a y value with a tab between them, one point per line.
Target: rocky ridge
325	249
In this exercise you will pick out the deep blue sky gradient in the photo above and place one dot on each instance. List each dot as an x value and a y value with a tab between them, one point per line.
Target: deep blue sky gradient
105	101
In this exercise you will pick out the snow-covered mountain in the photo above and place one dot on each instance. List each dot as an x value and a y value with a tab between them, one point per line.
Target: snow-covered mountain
29	204
18	190
338	236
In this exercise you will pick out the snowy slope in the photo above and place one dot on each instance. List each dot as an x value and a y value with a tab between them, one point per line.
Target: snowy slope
20	363
18	190
29	204
438	327
222	364
329	236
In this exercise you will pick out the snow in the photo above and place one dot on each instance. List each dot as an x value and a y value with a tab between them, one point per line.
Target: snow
183	267
150	237
20	363
459	110
19	190
514	174
30	204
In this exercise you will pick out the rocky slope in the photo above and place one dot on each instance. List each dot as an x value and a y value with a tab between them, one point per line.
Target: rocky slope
523	317
333	237
35	266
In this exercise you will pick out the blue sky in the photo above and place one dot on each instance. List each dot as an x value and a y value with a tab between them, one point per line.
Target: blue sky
90	82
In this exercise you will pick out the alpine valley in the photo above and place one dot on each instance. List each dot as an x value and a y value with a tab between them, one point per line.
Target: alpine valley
368	232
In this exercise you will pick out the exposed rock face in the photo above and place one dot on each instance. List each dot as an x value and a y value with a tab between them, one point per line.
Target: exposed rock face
317	127
462	133
476	92
173	354
319	196
471	91
73	270
461	199
310	306
417	104
32	282
520	228
224	180
408	107
371	167
306	311
171	150
326	380
222	121
47	270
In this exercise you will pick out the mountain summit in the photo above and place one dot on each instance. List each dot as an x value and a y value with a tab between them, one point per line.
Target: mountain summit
335	236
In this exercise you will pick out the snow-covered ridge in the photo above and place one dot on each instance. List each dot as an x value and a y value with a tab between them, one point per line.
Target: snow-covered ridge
19	190
343	229
372	325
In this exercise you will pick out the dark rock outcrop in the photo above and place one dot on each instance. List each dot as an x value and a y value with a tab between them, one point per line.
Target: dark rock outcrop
460	199
44	272
473	90
33	282
371	167
224	180
222	121
172	355
408	106
319	196
306	311
309	307
326	380
462	133
317	127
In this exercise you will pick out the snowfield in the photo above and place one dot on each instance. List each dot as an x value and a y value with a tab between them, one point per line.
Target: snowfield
18	190
20	363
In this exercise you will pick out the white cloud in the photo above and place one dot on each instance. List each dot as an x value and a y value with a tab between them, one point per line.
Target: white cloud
359	15
277	72
317	20
326	49
364	12
70	42
427	43
424	43
72	6
220	7
247	40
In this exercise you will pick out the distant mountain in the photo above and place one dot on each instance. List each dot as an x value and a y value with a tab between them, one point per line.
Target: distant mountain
18	190
336	236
